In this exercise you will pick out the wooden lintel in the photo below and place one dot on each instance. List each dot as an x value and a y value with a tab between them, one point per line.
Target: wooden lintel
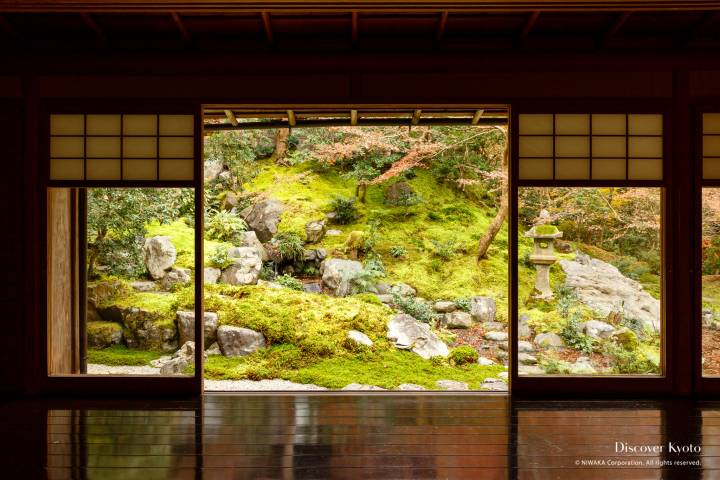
353	117
476	117
93	25
267	25
442	23
416	117
231	117
291	118
181	26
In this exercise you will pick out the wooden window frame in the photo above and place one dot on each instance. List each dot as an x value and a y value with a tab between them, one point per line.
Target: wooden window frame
597	385
117	385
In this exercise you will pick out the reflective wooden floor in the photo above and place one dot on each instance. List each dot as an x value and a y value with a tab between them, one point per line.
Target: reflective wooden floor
369	436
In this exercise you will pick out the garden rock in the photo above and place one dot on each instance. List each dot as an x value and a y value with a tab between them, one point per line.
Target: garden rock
501	355
385	298
709	320
444	307
174	366
359	338
144	330
530	370
212	170
582	367
211	275
526	359
409	387
523	327
313	287
382	288
176	276
186	327
333	233
494	384
250	239
503	375
408	334
338	274
143	286
451	385
214	349
403	289
496	336
159	255
626	337
263	218
104	334
483	309
549	340
314	231
526	347
399	193
602	287
485	361
457	320
246	268
487	326
237	341
361	386
597	329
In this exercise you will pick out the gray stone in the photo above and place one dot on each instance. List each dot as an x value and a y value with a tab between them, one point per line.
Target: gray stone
361	386
530	370
493	326
410	387
333	232
457	319
525	346
250	239
263	218
495	336
709	320
174	366
144	330
246	269
597	329
503	375
143	286
526	359
382	288
314	231
313	287
186	327
501	354
237	341
485	361
407	333
385	298
266	284
359	338
212	170
549	340
483	309
338	275
211	275
176	276
101	334
159	362
451	385
523	327
159	255
214	349
582	367
494	384
403	289
444	307
601	287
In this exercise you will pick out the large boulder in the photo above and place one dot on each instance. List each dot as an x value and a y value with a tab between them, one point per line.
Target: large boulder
403	290
144	330
338	275
601	287
457	319
102	334
250	239
186	327
549	340
159	255
237	341
408	334
246	267
211	275
176	276
597	329
314	231
482	309
263	218
212	170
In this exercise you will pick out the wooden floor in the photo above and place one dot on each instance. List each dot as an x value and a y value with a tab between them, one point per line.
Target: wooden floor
343	436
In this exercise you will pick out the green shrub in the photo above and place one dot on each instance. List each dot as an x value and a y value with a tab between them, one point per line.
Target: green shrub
573	338
224	226
219	258
463	355
344	209
444	250
289	282
463	304
629	362
418	310
366	279
268	272
397	251
436	265
289	245
553	366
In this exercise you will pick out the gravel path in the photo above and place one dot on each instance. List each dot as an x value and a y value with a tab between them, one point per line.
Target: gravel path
97	369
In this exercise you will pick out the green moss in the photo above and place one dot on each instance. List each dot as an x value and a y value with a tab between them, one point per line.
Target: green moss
100	333
121	355
182	237
463	355
546	230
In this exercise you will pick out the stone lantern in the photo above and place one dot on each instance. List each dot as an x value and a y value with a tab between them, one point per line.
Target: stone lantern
543	257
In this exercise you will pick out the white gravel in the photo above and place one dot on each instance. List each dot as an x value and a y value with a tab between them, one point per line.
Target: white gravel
261	385
97	369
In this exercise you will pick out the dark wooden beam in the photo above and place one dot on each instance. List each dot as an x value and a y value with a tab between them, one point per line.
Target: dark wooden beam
354	28
181	26
442	23
614	28
699	28
362	122
527	28
93	25
7	27
267	25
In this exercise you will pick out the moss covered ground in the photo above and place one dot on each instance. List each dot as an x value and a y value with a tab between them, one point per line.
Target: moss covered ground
122	355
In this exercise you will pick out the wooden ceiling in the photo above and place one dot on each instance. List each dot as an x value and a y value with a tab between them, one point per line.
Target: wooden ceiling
321	25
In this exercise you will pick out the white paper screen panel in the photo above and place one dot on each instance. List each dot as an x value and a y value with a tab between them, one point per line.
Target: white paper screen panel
585	146
711	146
120	147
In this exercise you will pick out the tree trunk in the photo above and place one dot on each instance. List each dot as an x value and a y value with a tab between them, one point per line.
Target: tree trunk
496	224
281	146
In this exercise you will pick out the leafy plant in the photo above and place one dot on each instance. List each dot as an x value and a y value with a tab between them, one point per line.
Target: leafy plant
629	362
219	258
418	310
289	245
463	304
397	251
444	250
366	279
289	282
224	226
463	355
344	209
267	272
574	338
